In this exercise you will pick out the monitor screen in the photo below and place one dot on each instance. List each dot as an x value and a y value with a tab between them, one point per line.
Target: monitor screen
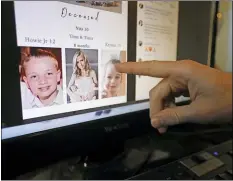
68	50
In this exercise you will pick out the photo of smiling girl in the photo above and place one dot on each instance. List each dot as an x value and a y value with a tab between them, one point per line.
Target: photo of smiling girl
82	67
112	82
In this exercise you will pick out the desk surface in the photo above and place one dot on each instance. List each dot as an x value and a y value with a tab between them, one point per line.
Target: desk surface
161	150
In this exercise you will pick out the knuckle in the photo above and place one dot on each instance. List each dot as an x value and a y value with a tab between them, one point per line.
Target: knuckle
176	117
187	63
187	66
150	92
154	124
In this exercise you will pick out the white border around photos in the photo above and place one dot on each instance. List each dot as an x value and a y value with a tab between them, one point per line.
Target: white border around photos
1	95
46	111
99	74
63	58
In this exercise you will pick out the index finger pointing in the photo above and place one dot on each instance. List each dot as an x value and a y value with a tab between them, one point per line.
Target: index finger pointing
154	68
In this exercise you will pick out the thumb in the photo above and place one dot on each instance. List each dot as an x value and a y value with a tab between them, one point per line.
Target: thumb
173	116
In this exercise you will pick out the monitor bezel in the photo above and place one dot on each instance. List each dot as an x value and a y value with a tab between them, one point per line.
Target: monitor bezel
77	139
11	32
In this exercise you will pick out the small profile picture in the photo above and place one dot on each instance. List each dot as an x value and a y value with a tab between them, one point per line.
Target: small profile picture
140	43
140	23
113	83
40	77
140	5
81	75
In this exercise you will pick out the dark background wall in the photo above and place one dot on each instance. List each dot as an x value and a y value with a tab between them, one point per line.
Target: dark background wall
194	30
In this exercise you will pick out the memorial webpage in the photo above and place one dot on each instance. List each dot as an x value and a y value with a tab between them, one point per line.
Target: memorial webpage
69	49
68	53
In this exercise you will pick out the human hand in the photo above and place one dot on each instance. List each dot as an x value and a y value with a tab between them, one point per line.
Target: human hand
210	91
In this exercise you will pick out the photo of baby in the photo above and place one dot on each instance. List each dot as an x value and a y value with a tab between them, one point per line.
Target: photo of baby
113	83
81	75
40	77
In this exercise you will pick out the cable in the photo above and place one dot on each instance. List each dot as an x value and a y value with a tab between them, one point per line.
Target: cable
138	170
105	164
145	162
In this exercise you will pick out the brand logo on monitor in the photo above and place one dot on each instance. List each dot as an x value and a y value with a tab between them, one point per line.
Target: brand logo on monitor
116	127
66	13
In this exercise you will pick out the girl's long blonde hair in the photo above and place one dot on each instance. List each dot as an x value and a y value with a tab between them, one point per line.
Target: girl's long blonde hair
87	66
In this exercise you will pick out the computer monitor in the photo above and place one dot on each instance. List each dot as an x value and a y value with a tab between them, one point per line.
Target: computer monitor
58	63
60	90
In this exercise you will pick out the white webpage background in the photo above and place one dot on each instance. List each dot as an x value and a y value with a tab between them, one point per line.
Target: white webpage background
42	19
159	15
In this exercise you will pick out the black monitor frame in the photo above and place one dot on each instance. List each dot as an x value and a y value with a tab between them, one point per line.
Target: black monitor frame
214	35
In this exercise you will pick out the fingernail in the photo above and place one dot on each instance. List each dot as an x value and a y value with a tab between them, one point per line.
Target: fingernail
155	123
162	130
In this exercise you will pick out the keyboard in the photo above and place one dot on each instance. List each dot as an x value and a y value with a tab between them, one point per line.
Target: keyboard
214	163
